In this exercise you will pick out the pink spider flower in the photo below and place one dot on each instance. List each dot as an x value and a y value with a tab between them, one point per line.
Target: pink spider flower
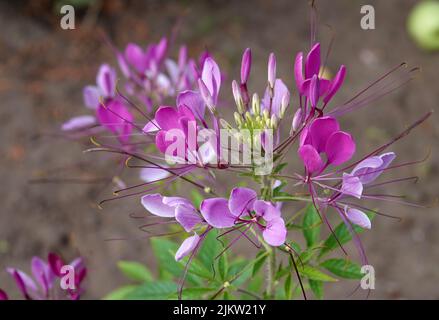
323	136
153	76
110	110
45	281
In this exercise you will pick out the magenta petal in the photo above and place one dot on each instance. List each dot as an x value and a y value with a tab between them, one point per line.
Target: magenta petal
336	83
78	123
320	130
160	141
91	97
246	64
154	204
23	281
187	216
275	232
216	212
298	71
55	263
352	186
134	55
312	64
160	49
106	80
314	91
358	217
211	76
311	158
188	245
340	148
3	295
241	201
116	117
266	210
193	101
167	118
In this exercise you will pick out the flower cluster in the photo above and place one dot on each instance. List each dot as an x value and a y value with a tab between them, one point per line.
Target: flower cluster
47	277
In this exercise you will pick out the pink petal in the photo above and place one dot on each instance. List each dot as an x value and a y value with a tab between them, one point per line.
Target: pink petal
106	80
211	76
241	201
358	217
91	97
193	101
340	148
55	263
311	158
275	232
371	168
42	274
154	204
216	212
153	174
151	126
352	185
320	130
23	281
187	216
3	295
78	123
266	210
188	245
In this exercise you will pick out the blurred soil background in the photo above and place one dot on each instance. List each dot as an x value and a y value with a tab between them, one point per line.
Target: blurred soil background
44	68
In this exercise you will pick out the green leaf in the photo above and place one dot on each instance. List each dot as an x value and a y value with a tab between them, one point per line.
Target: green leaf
135	271
197	198
317	288
223	266
120	293
287	287
341	232
313	273
193	293
259	263
311	226
158	290
343	268
210	248
164	250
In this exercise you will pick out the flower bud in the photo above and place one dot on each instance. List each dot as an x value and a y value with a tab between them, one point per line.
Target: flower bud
285	102
297	120
274	121
256	104
237	96
238	118
271	70
246	64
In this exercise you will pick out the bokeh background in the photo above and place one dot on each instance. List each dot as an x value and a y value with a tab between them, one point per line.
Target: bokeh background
43	69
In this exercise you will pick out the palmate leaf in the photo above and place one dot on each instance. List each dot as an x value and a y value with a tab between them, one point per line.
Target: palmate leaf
193	293
135	271
343	268
311	226
341	232
259	263
223	266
